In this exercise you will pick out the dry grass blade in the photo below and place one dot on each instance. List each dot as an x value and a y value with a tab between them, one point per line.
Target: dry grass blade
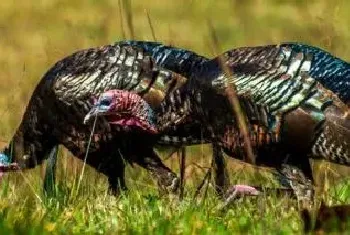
25	179
200	186
176	149
150	25
121	19
86	155
232	97
128	13
207	187
182	156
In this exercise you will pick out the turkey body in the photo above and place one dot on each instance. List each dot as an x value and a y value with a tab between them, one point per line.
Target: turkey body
291	115
278	91
63	97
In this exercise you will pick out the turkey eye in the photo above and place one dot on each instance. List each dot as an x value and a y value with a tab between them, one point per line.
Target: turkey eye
105	102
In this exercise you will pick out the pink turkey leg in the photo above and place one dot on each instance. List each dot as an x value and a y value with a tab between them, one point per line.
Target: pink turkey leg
238	191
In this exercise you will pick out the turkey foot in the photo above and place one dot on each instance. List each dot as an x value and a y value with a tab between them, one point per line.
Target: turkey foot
238	191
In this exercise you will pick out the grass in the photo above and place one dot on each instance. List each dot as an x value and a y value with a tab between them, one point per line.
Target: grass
25	210
35	34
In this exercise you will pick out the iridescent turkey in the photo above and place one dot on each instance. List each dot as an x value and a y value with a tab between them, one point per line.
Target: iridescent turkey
62	98
292	115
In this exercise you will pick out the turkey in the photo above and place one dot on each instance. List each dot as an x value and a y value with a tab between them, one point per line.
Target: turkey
292	116
62	98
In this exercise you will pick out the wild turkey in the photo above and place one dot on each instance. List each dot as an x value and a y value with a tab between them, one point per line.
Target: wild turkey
61	100
291	115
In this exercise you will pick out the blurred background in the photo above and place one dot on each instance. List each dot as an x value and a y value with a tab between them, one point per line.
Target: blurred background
35	34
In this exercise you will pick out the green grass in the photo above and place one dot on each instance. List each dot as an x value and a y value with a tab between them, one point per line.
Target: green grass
90	210
35	34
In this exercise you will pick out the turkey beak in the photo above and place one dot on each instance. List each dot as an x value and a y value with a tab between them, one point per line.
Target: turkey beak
93	112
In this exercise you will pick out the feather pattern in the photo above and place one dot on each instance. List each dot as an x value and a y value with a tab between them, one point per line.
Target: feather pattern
332	72
175	59
271	76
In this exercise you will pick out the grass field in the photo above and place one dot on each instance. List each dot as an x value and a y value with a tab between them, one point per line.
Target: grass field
35	34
